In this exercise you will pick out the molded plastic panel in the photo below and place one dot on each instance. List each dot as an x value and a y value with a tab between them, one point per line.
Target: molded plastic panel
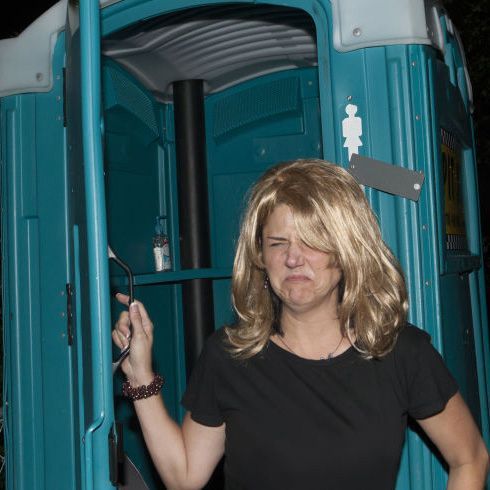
249	128
26	62
88	241
461	268
134	169
40	405
360	24
459	342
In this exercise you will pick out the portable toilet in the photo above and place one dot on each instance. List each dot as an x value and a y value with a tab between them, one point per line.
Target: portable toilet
134	113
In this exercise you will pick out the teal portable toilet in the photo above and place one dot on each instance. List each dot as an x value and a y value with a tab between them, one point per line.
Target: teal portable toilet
132	115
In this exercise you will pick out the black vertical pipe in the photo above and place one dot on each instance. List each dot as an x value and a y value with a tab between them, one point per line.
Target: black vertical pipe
190	147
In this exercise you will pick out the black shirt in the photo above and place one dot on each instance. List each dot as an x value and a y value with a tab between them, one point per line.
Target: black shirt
299	424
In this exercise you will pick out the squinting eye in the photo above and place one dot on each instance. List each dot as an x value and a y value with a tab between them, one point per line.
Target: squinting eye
276	244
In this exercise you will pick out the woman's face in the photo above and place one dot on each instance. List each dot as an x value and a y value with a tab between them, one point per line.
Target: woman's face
302	278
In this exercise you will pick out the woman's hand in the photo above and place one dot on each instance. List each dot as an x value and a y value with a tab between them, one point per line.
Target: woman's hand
185	458
136	328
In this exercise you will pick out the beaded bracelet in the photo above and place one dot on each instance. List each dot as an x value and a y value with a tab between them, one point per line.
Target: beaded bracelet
143	391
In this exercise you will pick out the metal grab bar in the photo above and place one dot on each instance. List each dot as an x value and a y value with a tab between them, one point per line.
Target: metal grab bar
112	256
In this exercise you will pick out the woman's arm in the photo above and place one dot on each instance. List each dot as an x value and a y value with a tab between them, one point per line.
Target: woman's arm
456	435
186	456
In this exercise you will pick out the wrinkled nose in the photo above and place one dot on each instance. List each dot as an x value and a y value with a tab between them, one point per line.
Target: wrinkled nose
294	256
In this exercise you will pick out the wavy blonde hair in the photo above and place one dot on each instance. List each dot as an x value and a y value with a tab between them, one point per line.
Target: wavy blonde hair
331	214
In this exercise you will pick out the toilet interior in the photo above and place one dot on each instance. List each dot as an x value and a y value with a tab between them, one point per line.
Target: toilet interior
257	66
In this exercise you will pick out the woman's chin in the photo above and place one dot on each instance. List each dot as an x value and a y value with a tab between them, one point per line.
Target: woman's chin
299	300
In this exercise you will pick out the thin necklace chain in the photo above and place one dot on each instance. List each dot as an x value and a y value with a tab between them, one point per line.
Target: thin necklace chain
329	355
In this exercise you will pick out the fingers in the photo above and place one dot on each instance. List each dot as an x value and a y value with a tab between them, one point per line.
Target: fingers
137	322
122	298
140	320
146	322
134	327
135	317
123	324
145	318
119	339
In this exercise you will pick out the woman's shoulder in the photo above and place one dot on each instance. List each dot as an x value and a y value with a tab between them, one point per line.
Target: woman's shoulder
216	344
412	342
214	354
422	373
412	336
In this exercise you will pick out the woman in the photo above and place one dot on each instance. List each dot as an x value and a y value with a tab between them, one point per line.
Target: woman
312	387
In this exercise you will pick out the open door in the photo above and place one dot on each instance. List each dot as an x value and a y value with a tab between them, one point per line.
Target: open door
88	244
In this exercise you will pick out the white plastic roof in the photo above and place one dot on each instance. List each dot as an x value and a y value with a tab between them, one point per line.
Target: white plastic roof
365	23
223	45
25	61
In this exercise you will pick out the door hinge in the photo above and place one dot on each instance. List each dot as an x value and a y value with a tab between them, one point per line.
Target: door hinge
69	313
116	454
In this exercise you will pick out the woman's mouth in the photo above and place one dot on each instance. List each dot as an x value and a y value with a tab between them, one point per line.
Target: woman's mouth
297	278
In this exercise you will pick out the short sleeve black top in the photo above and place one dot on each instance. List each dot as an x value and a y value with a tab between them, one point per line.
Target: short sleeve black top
296	424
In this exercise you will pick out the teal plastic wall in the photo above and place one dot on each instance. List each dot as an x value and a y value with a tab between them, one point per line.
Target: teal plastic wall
40	397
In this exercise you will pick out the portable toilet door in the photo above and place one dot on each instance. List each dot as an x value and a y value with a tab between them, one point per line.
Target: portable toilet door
88	248
335	79
58	400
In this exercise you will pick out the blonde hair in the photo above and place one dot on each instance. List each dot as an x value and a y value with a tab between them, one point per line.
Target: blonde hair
331	214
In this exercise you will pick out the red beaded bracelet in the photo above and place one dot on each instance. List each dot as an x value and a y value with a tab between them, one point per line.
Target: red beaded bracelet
143	391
